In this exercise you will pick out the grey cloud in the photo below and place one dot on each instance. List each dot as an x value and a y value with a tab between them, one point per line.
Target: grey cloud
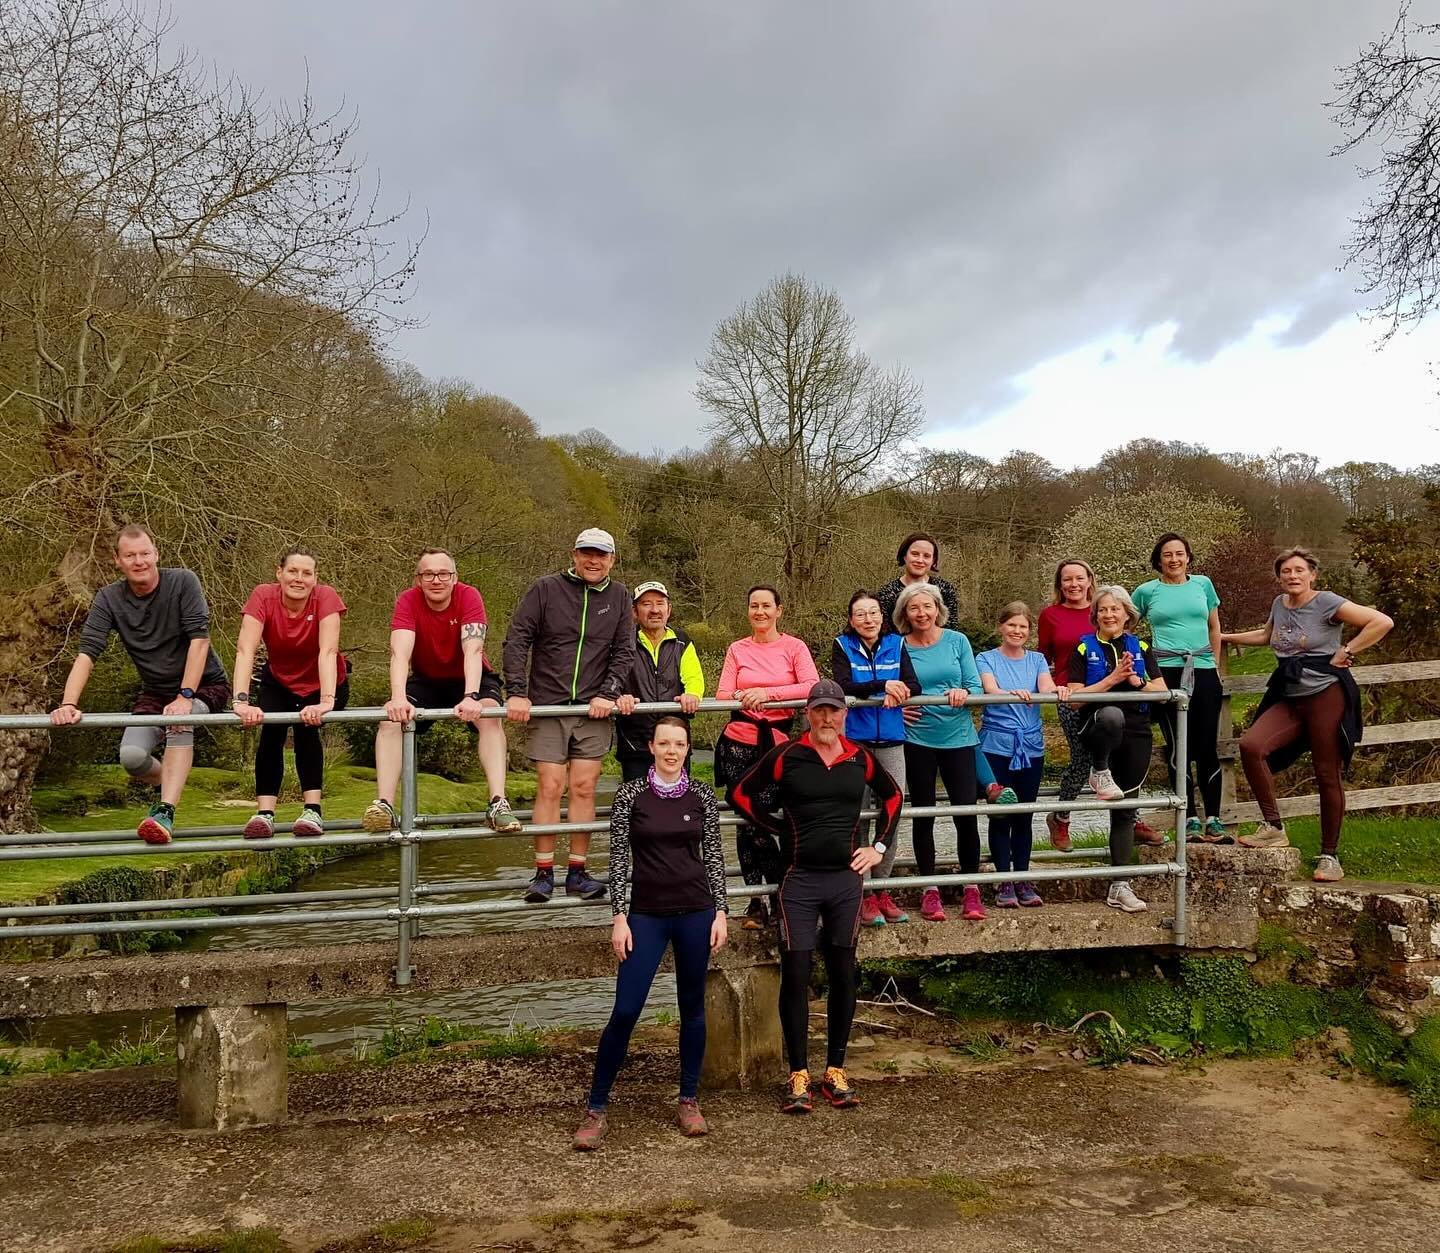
986	186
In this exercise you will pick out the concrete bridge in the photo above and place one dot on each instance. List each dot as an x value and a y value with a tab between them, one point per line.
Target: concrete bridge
231	1007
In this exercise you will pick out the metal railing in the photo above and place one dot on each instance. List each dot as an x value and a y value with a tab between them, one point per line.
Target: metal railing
415	829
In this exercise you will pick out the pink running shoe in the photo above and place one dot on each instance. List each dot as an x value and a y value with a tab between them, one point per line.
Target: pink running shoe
889	910
974	909
930	907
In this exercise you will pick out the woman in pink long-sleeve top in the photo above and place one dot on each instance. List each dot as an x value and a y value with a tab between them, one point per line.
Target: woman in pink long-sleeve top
767	665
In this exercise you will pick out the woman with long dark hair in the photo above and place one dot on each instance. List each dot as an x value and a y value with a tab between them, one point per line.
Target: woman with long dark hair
1311	701
667	890
767	665
1063	624
1183	610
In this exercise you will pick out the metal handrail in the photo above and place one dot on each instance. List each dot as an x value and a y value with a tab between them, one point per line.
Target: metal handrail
415	829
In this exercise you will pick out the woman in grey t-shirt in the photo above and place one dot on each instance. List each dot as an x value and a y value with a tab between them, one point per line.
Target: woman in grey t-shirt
1307	699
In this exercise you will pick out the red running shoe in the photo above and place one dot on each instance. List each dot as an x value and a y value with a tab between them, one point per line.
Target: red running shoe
974	909
870	915
1059	829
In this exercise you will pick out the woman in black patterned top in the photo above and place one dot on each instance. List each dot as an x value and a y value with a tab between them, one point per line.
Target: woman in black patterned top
667	889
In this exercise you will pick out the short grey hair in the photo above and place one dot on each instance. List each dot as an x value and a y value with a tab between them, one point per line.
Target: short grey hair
907	594
1118	593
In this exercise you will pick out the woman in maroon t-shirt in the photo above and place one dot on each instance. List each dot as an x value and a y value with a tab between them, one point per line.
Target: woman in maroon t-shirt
298	621
1062	624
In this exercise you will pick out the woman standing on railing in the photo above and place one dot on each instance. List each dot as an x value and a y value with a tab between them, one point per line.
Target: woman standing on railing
667	889
1063	624
298	621
1011	737
1184	614
767	665
868	662
1117	736
1311	701
940	740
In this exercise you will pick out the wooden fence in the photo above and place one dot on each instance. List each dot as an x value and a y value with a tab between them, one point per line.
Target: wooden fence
1232	811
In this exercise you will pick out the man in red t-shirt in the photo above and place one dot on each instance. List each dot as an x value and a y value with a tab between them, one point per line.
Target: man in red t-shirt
437	658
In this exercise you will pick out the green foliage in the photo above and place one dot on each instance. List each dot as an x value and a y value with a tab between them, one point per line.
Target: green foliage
298	1047
1116	534
415	1039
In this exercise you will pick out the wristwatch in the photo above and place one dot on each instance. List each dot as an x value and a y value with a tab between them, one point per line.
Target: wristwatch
188	693
472	695
241	698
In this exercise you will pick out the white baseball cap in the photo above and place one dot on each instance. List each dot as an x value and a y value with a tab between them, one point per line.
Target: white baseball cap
653	586
594	537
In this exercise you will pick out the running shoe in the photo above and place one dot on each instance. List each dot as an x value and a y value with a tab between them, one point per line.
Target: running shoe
260	827
1193	830
156	826
1215	832
797	1094
501	817
1029	897
930	907
870	915
579	883
1059	829
1146	834
591	1131
308	824
379	817
836	1089
1122	897
1328	869
689	1118
1265	836
973	909
889	910
997	795
542	887
1103	784
1005	898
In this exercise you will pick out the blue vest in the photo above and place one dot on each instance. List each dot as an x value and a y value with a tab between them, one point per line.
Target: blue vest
874	725
1099	658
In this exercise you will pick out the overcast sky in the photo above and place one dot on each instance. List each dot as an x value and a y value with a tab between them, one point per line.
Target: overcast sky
1072	223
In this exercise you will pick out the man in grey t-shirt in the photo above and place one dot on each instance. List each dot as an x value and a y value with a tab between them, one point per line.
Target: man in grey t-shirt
163	621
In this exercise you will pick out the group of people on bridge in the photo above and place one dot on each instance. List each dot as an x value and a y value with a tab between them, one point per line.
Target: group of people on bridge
580	638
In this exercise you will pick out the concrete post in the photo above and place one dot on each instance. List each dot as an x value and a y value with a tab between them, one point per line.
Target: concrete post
232	1065
743	1044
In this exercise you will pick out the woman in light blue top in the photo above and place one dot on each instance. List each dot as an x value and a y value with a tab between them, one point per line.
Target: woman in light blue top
940	739
1183	610
1011	737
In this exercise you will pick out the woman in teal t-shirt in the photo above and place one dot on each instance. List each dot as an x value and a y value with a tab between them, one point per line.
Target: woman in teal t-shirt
1183	610
940	740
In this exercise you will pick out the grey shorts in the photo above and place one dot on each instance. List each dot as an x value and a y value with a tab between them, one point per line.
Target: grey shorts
568	739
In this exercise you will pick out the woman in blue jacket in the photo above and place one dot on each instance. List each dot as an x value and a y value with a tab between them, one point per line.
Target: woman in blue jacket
868	662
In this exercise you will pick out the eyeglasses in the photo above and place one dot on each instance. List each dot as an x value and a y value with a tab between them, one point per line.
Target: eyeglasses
436	576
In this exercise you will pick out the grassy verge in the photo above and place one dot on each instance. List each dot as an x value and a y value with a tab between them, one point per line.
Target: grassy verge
1395	849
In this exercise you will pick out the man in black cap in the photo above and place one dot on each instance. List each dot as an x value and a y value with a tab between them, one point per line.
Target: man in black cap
819	781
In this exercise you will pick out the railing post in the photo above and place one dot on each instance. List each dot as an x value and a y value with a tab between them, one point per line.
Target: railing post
1182	748
408	854
1225	734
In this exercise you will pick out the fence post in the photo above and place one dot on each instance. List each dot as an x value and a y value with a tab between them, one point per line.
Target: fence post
1182	747
409	857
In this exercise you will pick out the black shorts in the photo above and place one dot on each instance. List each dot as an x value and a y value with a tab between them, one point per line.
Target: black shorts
811	897
426	693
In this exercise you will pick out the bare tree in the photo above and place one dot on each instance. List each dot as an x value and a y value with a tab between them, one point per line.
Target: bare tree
193	294
786	387
1390	98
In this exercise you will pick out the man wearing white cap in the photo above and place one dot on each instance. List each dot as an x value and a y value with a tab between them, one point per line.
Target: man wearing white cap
666	668
570	643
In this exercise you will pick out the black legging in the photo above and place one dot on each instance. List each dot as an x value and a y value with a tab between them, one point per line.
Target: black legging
795	1003
1121	745
758	851
276	698
957	767
1202	728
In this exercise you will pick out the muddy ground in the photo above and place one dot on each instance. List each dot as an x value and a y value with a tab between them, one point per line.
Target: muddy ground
1029	1150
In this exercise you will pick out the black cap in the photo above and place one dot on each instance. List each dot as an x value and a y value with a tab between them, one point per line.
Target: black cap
826	692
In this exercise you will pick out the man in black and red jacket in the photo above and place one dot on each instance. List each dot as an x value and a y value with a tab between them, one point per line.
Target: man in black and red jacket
819	781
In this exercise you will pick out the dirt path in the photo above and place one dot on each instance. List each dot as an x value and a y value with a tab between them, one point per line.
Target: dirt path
1036	1153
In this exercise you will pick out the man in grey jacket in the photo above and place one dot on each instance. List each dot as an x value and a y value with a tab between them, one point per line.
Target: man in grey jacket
163	621
570	642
